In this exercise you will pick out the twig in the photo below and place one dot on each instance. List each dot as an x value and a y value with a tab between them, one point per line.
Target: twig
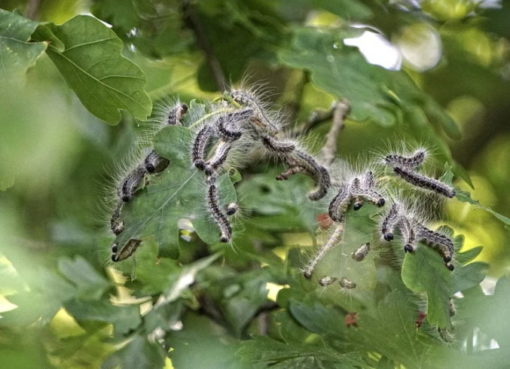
340	111
192	21
32	9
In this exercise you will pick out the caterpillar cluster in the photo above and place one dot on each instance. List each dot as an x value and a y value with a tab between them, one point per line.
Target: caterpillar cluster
354	191
248	124
151	163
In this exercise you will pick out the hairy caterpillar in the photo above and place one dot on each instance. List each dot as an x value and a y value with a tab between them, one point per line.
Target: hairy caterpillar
232	119
176	114
435	239
231	208
155	163
200	145
411	162
125	251
317	172
116	223
219	157
422	181
283	176
389	221
408	233
274	145
361	252
261	118
360	190
132	183
340	203
218	216
333	240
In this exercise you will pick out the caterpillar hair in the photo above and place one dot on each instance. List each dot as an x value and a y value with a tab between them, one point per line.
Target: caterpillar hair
126	251
408	234
261	118
340	203
231	208
422	181
318	172
132	183
326	281
410	162
283	176
389	221
219	218
362	251
332	241
232	119
437	240
219	157
200	145
176	114
347	283
155	163
116	224
280	147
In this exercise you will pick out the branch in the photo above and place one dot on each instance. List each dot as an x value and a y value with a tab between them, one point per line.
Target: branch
192	21
340	111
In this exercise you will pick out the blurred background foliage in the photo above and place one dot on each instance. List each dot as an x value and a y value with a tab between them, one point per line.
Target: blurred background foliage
442	80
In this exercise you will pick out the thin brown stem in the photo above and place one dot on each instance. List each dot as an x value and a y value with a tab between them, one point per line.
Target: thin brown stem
340	111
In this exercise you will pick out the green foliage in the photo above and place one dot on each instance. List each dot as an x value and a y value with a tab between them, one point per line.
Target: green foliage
185	300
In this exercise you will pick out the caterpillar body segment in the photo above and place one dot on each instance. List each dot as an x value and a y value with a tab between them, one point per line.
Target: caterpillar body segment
290	172
340	203
132	183
231	208
176	114
154	163
279	147
228	125
389	222
217	214
361	252
219	157
120	254
363	189
408	234
425	182
261	120
116	223
199	147
316	171
410	162
437	240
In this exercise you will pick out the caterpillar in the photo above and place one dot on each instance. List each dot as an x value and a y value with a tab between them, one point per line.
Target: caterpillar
232	119
219	157
274	145
231	208
116	224
332	241
126	251
411	162
261	118
435	239
422	181
155	163
176	114
389	221
318	173
218	216
361	252
408	234
200	145
362	189
340	203
132	183
283	176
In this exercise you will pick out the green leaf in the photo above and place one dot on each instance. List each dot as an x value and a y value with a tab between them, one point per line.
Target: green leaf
177	193
124	318
89	283
375	94
264	352
317	318
88	54
139	353
424	272
465	196
16	53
